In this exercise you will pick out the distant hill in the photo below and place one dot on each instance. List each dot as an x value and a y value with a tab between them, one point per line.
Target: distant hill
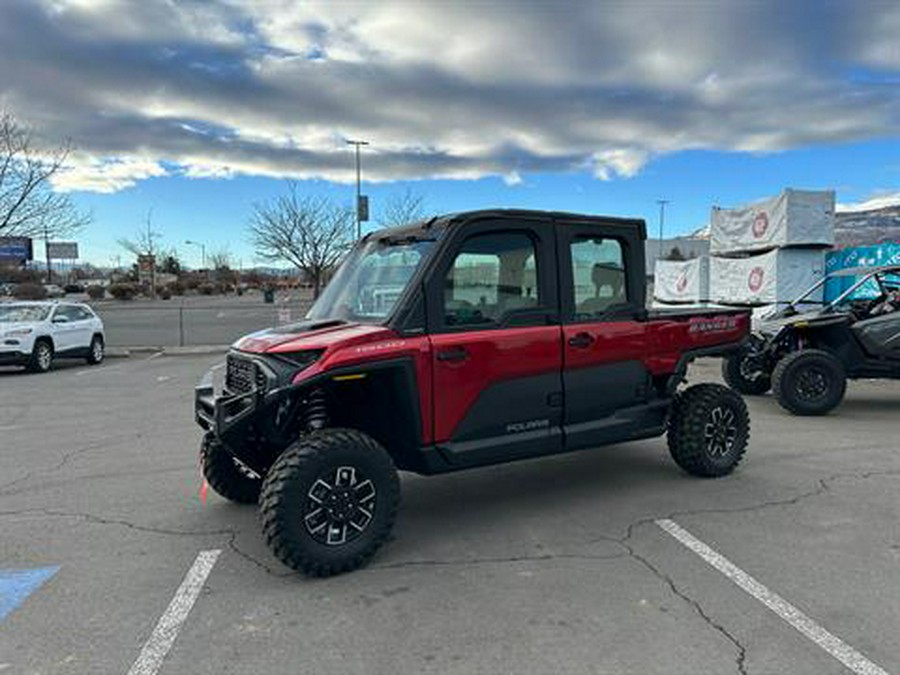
860	228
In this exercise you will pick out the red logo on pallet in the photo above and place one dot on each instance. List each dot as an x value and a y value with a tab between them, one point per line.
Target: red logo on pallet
755	280
760	224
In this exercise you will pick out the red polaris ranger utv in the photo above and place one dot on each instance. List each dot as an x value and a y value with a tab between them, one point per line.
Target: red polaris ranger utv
466	340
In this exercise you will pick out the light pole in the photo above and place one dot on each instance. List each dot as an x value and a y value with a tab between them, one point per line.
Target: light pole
358	182
202	250
662	219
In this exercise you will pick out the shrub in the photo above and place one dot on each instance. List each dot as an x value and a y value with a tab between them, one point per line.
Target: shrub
123	291
96	292
165	293
177	288
30	291
206	288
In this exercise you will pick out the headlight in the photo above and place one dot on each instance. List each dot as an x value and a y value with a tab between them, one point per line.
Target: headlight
19	332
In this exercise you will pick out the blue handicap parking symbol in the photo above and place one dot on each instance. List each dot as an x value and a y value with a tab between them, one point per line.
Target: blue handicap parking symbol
16	585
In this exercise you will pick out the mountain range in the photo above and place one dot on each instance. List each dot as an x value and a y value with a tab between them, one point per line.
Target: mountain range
860	228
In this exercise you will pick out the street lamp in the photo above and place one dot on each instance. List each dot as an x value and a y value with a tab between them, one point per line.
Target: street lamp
358	195
662	219
202	250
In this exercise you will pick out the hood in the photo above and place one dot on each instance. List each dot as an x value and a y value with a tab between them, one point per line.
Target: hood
778	321
6	326
310	335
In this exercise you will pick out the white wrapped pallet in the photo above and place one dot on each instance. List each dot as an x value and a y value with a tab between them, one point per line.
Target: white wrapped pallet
682	280
793	218
779	276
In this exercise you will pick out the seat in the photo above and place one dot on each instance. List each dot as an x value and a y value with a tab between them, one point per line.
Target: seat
604	276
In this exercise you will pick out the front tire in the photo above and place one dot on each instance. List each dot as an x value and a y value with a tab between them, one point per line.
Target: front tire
329	502
225	476
738	375
809	382
708	430
41	356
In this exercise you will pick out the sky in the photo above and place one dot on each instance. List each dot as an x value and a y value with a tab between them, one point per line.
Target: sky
198	110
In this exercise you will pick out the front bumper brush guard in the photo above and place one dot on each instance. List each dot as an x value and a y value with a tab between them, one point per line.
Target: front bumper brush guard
218	414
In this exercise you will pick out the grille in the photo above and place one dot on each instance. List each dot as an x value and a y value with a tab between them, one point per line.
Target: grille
240	375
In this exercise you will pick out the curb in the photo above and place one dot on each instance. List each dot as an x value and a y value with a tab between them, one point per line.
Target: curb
194	350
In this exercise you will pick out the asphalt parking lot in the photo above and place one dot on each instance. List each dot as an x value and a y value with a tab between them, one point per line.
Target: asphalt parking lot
558	565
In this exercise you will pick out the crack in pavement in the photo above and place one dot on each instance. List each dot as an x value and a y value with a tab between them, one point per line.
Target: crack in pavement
496	560
99	520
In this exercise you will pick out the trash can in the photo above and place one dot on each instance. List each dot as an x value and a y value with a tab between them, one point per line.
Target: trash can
269	295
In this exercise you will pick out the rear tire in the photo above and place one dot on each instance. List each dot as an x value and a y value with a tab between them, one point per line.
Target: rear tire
96	351
41	359
329	502
809	382
708	430
224	475
736	376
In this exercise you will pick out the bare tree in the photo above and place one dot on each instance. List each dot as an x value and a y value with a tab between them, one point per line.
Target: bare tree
402	209
28	205
145	245
219	260
311	233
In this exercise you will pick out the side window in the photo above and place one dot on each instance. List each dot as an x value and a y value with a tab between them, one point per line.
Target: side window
492	275
67	311
598	271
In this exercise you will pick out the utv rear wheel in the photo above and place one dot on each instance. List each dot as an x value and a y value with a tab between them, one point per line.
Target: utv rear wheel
329	502
739	374
41	356
708	430
809	382
226	476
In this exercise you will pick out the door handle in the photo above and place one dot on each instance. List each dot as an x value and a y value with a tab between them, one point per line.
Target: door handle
581	340
453	354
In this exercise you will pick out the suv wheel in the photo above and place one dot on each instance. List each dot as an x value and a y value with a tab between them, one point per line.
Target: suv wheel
809	382
738	373
708	430
329	502
95	351
41	357
224	475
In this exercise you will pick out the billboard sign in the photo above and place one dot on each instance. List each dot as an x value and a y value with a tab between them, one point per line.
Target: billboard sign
16	250
62	250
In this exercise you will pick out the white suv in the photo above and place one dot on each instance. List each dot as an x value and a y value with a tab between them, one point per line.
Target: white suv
32	334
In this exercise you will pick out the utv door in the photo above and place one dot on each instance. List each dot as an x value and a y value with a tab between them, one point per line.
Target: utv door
604	334
880	336
495	343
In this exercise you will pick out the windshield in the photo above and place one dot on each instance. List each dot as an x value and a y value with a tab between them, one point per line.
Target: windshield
371	280
16	313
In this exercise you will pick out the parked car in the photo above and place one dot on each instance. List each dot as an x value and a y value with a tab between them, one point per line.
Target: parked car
806	357
73	288
54	291
34	334
468	340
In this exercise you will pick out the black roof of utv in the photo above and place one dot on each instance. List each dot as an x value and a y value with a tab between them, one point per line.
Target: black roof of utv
455	219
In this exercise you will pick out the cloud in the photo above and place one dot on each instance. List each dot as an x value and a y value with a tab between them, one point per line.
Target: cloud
879	201
216	89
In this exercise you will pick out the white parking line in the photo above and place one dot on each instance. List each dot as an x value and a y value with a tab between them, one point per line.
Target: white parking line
832	644
170	623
